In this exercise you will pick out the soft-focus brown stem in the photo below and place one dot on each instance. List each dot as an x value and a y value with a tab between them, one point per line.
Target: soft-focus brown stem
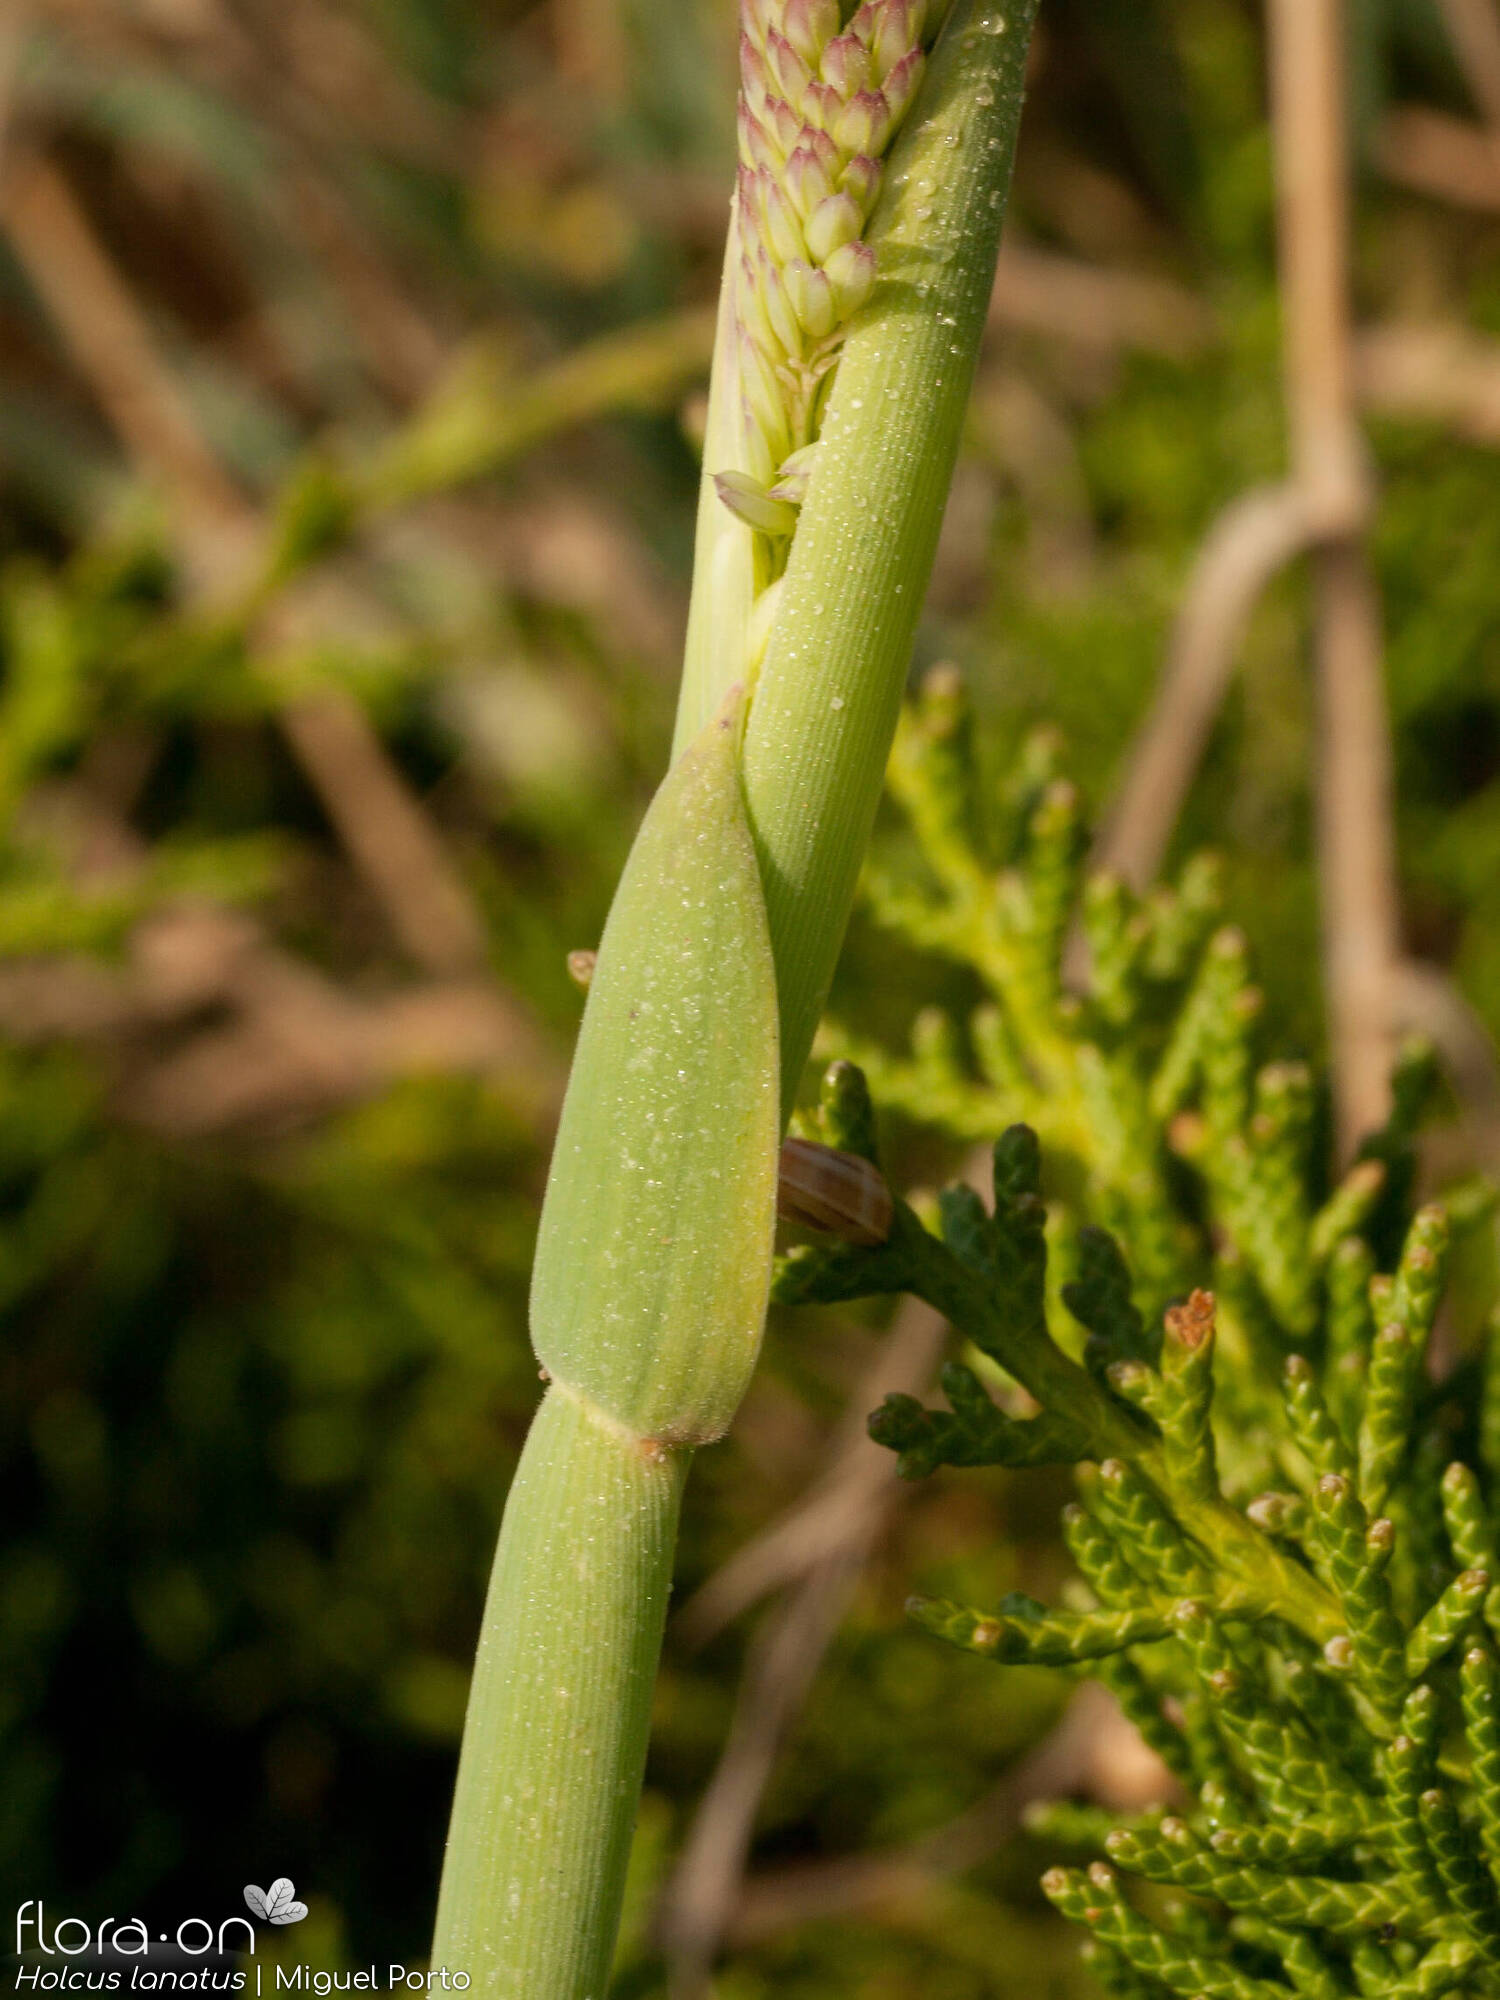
1474	30
1255	537
1437	373
1324	507
1306	49
1356	852
1356	840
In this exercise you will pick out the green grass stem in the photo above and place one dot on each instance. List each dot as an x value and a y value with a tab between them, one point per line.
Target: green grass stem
654	1254
560	1709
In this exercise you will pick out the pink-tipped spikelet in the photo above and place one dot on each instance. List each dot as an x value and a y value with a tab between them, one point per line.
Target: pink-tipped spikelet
820	102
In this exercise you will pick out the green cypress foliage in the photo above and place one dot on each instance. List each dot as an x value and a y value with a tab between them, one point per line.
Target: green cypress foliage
1286	1528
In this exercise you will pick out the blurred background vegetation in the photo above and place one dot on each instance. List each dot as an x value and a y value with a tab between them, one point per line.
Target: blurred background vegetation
351	358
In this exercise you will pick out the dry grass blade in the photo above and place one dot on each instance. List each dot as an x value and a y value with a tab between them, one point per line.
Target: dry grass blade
12	37
401	348
1432	153
300	1048
387	835
860	1477
1437	373
1096	305
112	345
385	831
824	1543
778	1679
283	1044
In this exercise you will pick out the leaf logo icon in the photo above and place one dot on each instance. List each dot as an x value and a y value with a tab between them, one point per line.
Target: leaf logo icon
278	1904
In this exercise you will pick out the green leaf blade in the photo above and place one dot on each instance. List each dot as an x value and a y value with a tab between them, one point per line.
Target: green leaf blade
654	1257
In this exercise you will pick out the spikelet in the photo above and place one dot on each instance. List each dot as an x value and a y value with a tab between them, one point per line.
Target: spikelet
820	102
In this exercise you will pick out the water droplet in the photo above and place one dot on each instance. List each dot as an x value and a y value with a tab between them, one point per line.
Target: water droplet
984	94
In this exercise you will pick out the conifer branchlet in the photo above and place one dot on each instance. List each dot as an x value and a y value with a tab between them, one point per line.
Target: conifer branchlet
1286	1572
